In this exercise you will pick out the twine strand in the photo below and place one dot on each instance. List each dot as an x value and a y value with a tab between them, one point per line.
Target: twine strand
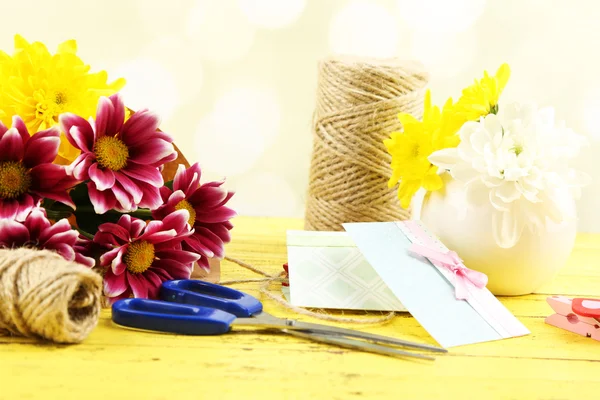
357	106
322	315
44	296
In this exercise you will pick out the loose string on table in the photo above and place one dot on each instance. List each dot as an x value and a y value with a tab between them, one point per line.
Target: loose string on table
270	279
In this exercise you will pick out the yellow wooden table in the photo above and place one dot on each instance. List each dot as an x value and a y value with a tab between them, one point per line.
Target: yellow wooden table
115	363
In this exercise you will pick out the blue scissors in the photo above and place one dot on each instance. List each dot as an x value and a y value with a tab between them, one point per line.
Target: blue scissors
192	307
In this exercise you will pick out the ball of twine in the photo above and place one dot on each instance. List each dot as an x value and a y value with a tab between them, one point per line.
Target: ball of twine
44	296
358	102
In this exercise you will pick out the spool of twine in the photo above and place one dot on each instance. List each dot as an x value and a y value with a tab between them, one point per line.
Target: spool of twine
44	296
358	102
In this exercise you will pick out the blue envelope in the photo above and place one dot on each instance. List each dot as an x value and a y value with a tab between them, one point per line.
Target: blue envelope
428	293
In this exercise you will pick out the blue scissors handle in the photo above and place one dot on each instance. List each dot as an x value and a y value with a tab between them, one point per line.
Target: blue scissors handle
199	293
162	316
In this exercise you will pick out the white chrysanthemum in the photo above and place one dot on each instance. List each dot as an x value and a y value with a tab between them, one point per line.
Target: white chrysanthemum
516	160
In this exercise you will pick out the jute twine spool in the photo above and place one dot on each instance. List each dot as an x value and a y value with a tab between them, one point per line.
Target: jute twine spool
358	102
44	296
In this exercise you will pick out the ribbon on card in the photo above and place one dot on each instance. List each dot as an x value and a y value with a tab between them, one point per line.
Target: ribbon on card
450	260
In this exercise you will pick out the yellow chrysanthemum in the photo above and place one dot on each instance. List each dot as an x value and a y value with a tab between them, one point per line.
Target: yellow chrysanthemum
418	140
481	98
39	86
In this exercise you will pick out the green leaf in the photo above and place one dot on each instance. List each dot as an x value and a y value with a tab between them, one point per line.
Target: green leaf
169	184
80	195
55	210
89	221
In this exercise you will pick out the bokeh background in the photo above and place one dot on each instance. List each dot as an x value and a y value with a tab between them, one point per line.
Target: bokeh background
234	80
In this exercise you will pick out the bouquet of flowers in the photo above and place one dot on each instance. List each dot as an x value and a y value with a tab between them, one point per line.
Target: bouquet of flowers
80	174
515	156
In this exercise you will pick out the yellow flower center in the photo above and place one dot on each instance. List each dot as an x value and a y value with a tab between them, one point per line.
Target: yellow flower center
60	98
185	205
139	256
49	106
518	149
14	179
416	150
111	153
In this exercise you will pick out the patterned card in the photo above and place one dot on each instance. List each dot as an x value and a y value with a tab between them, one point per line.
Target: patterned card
397	266
328	271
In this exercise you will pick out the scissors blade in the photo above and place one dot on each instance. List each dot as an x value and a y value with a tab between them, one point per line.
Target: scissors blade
290	324
356	345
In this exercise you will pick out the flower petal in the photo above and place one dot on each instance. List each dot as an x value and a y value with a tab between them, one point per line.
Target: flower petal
106	240
102	201
114	284
109	256
20	126
219	215
36	223
103	178
137	227
130	187
184	257
40	150
194	244
445	158
52	181
80	167
154	282
139	127
78	131
117	265
177	220
172	269
151	151
60	232
8	209
104	114
124	199
116	230
151	198
144	173
64	250
210	240
13	233
159	237
115	124
25	206
11	146
175	198
84	260
208	196
138	285
508	192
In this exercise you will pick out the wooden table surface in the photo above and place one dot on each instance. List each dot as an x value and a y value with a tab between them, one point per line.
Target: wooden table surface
115	363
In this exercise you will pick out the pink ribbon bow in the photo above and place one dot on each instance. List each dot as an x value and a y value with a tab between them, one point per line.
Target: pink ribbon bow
451	261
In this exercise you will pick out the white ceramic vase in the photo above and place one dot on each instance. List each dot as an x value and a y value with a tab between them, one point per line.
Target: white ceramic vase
521	269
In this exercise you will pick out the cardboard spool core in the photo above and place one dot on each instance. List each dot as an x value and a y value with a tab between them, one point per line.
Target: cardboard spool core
168	174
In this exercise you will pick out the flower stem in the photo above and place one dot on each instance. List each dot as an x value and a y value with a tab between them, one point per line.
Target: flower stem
84	233
142	213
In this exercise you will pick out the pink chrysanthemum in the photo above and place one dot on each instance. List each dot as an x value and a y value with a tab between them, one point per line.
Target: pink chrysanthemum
37	232
26	171
143	256
208	214
120	159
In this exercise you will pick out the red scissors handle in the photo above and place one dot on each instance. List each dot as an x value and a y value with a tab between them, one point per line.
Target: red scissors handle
587	307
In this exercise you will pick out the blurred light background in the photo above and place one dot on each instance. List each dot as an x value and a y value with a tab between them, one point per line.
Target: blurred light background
234	80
